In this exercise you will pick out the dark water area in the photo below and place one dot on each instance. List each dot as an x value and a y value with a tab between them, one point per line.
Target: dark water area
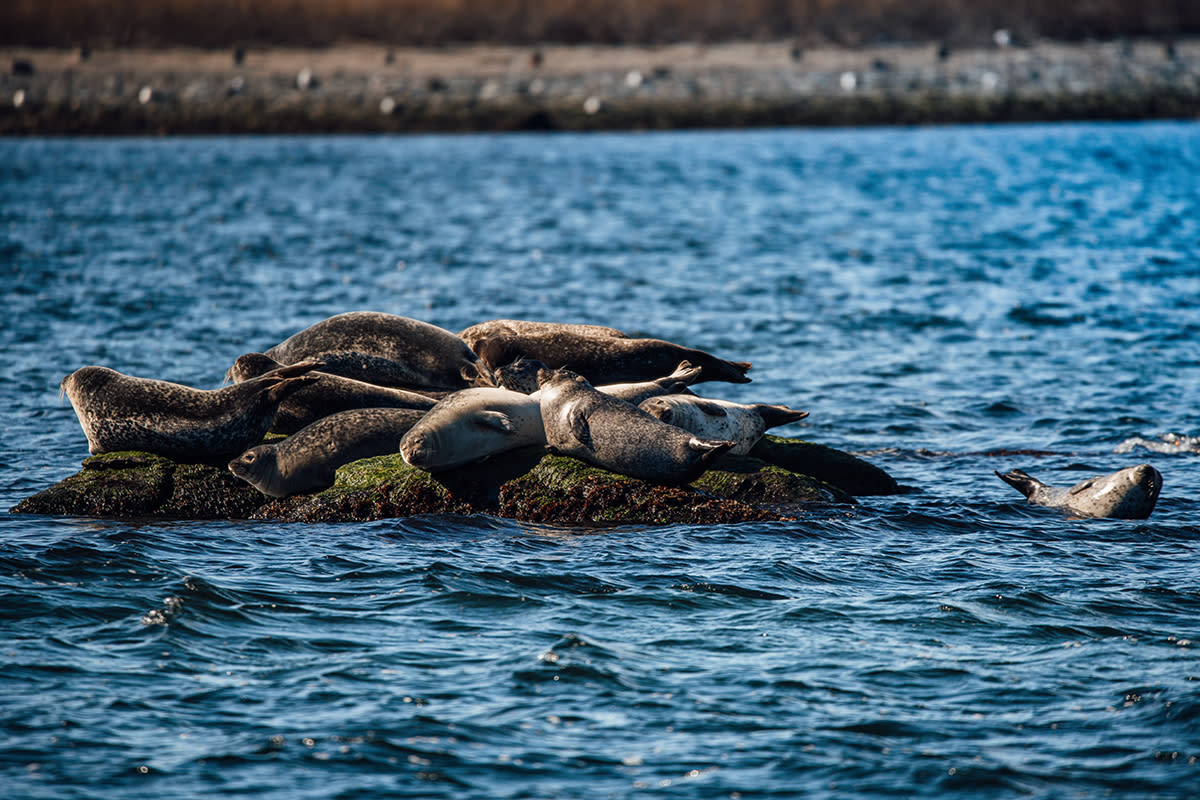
944	301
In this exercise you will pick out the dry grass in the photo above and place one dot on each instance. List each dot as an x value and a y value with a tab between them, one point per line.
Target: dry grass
229	23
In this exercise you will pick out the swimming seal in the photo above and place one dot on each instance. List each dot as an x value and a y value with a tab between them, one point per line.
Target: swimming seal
435	357
521	376
1130	493
742	423
122	412
329	394
471	425
308	460
583	422
604	360
506	327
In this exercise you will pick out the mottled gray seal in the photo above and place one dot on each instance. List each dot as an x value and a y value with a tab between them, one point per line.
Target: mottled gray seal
1129	493
507	327
329	394
608	360
307	460
583	422
741	423
471	425
436	357
521	376
375	370
121	412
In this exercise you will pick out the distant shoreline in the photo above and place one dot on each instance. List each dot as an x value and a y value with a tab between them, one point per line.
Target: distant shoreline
371	88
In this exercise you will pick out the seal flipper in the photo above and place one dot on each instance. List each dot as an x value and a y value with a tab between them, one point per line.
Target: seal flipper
709	449
774	416
580	429
1023	482
711	409
495	419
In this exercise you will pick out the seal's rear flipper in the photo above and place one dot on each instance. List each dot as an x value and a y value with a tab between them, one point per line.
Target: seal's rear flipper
774	416
1021	481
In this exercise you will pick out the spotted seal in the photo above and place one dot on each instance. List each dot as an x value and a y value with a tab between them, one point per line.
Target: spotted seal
509	327
603	360
122	412
1130	493
331	393
742	423
521	376
307	460
435	357
583	422
470	425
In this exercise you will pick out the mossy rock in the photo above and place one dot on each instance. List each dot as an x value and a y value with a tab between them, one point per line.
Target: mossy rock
526	485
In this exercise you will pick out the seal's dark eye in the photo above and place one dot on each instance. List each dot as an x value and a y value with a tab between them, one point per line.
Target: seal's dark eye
248	458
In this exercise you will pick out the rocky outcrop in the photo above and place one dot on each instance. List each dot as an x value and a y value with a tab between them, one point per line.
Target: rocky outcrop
779	479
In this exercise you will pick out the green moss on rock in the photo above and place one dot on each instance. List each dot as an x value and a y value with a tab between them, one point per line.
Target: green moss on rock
527	485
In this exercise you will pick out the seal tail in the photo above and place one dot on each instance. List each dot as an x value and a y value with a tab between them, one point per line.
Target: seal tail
774	416
717	369
1022	481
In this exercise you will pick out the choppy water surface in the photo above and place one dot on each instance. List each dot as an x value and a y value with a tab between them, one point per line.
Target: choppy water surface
931	296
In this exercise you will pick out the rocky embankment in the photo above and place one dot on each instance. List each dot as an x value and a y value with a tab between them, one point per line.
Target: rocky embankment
777	481
378	89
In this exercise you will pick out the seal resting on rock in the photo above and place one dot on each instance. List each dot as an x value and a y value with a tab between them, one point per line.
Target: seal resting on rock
1130	493
603	360
521	376
329	394
471	425
583	422
122	412
742	423
507	327
434	357
307	460
375	370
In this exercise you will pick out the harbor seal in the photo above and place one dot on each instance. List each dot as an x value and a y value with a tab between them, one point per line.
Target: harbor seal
1130	493
307	460
435	357
122	412
521	376
329	394
583	422
376	370
471	425
602	360
508	327
742	423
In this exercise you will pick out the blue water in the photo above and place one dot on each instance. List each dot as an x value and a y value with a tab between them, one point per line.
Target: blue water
932	296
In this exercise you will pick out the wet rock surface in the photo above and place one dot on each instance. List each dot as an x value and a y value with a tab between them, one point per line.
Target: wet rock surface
376	89
524	485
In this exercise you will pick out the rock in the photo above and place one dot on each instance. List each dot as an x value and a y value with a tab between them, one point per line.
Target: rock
778	481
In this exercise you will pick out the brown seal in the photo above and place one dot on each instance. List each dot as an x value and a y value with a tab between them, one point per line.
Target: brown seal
434	357
583	422
516	327
607	360
331	393
122	412
308	460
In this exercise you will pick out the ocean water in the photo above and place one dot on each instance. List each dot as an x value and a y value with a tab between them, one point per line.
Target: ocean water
944	301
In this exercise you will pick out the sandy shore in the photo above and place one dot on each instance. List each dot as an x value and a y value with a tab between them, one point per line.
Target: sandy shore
365	88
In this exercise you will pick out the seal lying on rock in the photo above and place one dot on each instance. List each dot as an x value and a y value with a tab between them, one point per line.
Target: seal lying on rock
720	419
329	394
521	376
471	425
121	412
435	357
604	360
1129	493
507	327
307	460
583	422
375	370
